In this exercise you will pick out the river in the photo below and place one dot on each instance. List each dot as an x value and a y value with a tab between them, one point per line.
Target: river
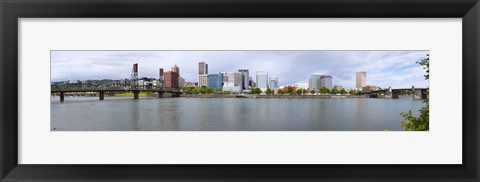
228	114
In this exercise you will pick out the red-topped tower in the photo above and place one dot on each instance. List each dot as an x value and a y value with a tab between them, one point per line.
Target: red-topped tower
134	76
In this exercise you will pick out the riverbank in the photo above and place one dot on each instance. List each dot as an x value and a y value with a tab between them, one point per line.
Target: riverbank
272	96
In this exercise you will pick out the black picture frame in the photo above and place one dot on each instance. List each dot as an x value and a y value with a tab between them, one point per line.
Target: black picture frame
11	10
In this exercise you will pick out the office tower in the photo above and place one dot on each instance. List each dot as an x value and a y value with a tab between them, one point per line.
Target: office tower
171	79
224	77
202	80
202	68
251	83
215	81
326	81
202	74
273	82
181	81
361	80
244	78
262	80
236	78
314	81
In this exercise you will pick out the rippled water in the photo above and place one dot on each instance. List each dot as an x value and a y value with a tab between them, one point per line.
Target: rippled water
228	114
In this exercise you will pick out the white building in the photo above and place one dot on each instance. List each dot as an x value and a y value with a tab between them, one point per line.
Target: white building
262	80
202	80
231	87
361	80
301	85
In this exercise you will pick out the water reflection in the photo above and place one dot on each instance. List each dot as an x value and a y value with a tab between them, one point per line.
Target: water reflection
190	114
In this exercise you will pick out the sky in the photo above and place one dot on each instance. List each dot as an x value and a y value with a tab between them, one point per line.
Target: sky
397	69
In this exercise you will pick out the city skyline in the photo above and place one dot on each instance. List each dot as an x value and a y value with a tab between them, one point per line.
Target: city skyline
290	67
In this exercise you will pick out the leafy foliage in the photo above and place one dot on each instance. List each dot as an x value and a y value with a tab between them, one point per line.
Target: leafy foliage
352	92
420	123
280	92
256	91
299	91
290	90
324	90
268	91
334	91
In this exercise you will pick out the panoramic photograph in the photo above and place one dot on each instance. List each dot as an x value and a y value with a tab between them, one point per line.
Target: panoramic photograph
245	90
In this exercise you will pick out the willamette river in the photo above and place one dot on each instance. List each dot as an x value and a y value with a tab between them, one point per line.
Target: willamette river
228	114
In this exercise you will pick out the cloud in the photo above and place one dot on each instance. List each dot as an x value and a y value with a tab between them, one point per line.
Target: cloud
384	68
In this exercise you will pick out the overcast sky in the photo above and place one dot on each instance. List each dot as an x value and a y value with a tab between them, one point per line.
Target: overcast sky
384	68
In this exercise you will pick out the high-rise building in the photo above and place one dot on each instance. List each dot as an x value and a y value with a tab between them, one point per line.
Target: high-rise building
236	78
202	80
215	81
262	80
171	79
176	69
314	81
251	83
202	68
361	80
244	78
273	82
224	77
326	81
202	74
161	77
181	81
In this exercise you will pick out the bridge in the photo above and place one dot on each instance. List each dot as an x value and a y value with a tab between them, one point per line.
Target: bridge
102	90
417	93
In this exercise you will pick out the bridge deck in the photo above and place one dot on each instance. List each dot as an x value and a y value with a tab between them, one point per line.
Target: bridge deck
115	90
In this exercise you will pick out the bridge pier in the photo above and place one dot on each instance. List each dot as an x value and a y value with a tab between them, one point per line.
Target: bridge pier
160	94
62	96
101	95
135	94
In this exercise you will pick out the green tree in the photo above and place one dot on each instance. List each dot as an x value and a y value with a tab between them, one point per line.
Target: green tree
299	91
202	90
324	90
268	91
420	123
312	91
352	92
334	91
256	91
280	92
343	91
290	90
